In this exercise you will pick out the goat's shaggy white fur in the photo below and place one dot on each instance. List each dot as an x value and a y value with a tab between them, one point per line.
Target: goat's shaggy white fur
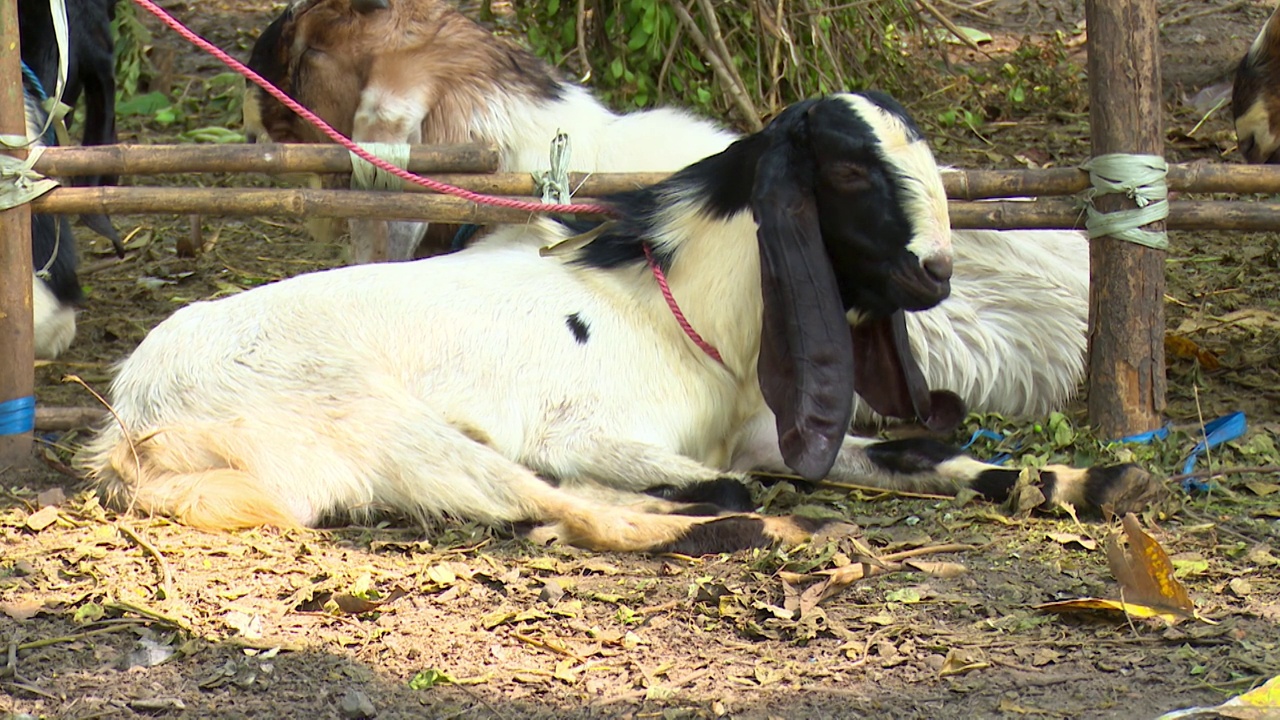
1012	337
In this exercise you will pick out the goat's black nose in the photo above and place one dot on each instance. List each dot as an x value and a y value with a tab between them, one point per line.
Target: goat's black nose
939	267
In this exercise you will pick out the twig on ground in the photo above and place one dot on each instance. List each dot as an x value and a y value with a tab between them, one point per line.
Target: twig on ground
930	550
1202	13
45	642
881	491
166	574
1219	472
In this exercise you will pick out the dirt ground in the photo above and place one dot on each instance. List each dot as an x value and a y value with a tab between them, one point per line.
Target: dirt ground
106	615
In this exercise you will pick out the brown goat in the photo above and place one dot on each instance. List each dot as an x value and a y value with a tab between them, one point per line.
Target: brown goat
1255	96
419	71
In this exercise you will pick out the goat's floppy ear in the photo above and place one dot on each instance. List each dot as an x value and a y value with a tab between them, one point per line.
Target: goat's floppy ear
806	355
366	6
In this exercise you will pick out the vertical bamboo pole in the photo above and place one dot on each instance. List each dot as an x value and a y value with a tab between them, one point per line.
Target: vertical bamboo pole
1126	304
17	360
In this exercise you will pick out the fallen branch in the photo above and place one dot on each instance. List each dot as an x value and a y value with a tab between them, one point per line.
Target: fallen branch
166	581
67	418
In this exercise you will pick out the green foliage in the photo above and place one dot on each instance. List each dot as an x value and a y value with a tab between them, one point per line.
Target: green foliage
638	55
200	112
1037	77
133	43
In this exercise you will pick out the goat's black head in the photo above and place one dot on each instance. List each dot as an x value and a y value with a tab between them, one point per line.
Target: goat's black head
853	229
1255	96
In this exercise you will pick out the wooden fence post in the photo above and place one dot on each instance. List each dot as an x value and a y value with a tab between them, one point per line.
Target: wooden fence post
17	362
1126	304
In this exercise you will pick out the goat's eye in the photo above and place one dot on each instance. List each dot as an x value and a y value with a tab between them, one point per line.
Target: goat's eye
846	175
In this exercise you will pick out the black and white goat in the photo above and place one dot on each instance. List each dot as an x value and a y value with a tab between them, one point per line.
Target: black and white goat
55	288
1011	340
1255	96
507	384
90	69
90	63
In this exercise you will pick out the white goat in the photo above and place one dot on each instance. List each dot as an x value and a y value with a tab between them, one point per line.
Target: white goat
1011	340
501	385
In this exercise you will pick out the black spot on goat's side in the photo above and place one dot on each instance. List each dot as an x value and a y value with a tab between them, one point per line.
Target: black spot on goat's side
581	331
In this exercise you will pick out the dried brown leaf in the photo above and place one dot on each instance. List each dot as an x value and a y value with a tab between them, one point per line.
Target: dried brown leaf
42	518
938	569
21	609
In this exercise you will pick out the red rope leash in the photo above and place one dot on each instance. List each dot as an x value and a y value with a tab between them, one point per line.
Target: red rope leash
661	277
346	142
403	174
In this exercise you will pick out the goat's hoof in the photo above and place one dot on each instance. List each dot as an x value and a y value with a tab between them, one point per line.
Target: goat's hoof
1120	489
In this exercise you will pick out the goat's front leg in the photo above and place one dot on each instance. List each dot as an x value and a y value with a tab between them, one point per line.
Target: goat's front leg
387	115
928	466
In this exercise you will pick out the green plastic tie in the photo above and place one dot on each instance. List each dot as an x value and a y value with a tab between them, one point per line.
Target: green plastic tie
366	176
1141	178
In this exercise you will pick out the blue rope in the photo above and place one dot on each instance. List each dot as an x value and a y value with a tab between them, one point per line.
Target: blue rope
37	88
463	236
36	85
18	416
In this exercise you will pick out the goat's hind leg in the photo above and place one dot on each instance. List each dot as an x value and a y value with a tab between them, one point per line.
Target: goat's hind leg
924	465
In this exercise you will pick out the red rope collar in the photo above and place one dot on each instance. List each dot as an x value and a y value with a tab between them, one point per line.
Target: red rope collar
661	277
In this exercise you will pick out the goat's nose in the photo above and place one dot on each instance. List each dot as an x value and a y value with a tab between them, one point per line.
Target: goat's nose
939	267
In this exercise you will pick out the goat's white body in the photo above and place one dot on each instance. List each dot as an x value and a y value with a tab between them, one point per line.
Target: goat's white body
600	140
427	363
1011	339
54	320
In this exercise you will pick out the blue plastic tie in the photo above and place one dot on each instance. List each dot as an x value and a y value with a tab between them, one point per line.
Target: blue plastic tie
980	433
1224	429
36	85
18	416
50	137
1146	437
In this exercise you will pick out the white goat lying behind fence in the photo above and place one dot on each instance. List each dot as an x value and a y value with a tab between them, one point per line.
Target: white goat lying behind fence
501	385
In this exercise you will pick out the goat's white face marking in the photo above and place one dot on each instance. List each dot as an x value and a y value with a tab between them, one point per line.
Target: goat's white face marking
925	198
